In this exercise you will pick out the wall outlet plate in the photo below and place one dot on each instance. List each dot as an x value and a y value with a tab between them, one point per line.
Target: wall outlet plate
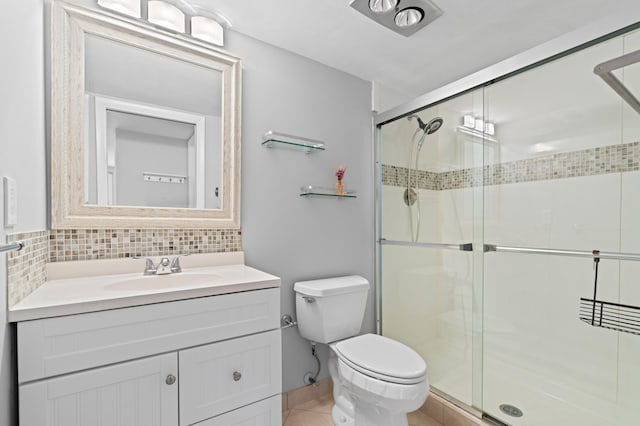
10	202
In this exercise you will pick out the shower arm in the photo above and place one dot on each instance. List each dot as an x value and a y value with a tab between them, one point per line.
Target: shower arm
605	71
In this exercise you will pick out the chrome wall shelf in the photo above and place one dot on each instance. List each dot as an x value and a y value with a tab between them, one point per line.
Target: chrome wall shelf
318	191
273	139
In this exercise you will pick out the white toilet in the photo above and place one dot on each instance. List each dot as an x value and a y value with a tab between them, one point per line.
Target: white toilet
376	380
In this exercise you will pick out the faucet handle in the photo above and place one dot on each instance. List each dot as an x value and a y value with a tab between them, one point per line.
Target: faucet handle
149	268
175	263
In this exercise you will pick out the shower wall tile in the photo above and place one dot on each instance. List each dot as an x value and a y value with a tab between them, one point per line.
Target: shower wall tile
26	268
630	225
588	162
87	244
580	214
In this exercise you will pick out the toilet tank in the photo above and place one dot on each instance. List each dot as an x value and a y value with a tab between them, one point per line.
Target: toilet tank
330	309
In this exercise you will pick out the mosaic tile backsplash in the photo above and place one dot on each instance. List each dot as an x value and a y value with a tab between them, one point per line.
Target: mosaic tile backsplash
88	244
26	268
588	162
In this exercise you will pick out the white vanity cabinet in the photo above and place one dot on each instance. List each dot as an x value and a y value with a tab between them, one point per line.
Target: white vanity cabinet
211	360
130	393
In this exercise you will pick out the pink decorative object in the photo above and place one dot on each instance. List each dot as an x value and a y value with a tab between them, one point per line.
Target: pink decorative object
340	171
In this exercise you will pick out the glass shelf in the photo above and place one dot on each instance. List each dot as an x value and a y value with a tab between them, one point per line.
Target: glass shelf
318	191
273	139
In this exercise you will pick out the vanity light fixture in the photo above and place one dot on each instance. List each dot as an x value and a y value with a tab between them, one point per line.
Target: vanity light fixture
127	7
206	25
166	15
402	16
207	29
478	124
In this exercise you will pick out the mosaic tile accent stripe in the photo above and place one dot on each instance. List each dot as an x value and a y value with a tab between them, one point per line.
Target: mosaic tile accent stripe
398	176
26	268
588	162
88	244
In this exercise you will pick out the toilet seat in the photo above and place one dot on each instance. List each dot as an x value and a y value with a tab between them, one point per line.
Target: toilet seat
382	358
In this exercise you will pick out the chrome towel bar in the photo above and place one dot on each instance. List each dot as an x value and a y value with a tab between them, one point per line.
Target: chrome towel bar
556	252
16	245
461	247
510	249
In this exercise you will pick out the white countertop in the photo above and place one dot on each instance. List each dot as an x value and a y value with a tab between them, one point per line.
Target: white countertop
66	296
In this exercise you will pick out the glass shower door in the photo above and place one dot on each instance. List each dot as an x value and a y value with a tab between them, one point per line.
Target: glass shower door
475	224
565	181
430	222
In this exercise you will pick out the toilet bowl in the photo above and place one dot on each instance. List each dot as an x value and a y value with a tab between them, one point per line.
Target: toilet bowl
376	380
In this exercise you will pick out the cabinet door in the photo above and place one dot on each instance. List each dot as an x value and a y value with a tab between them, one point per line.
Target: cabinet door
223	376
135	393
264	413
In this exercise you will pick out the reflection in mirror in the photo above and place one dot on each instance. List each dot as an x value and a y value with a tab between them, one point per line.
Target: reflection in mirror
149	147
145	126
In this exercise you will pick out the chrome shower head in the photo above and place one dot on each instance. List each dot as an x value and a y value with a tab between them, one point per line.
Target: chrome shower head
433	125
427	129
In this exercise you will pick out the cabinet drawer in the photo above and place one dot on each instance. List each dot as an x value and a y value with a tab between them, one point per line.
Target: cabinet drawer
135	392
54	346
263	413
224	376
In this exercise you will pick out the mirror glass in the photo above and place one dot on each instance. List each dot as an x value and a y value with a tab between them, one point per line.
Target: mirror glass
154	128
145	125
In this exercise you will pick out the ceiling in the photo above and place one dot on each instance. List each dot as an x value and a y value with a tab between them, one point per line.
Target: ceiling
469	36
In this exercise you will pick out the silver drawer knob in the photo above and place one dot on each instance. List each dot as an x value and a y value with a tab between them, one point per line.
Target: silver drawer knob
171	379
237	376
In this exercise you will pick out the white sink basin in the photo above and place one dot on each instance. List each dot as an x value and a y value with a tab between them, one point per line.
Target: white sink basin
98	285
158	282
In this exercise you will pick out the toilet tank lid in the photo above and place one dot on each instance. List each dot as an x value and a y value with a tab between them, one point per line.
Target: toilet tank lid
332	286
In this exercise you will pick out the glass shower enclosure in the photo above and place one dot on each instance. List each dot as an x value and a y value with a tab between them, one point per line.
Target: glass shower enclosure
486	235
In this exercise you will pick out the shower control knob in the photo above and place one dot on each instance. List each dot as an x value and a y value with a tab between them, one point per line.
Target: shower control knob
237	376
171	379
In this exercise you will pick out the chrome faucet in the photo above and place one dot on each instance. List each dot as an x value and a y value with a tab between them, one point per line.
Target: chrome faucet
149	268
175	265
164	266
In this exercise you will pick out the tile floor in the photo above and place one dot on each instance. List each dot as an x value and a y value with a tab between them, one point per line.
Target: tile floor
318	413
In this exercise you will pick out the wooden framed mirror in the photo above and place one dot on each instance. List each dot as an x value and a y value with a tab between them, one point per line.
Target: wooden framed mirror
145	125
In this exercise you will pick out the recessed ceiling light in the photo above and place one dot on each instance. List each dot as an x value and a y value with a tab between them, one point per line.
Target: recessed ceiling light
382	6
404	17
409	17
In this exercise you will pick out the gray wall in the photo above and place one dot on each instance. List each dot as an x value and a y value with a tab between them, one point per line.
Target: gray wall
283	233
287	235
22	154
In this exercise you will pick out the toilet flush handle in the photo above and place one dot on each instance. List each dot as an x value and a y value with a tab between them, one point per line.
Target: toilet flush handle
309	299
